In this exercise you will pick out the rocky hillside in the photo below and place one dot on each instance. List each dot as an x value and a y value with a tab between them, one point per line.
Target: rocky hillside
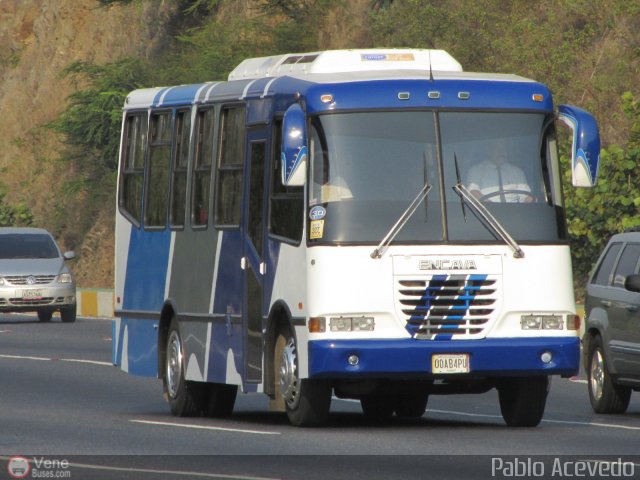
38	39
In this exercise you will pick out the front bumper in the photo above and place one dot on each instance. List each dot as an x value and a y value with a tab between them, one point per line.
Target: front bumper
491	357
49	297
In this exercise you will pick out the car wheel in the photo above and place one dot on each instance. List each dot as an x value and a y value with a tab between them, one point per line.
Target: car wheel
523	399
306	401
604	394
68	314
186	398
45	315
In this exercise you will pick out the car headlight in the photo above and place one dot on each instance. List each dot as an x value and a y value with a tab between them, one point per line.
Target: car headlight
65	278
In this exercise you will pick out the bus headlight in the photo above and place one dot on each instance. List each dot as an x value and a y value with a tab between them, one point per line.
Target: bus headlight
541	322
351	324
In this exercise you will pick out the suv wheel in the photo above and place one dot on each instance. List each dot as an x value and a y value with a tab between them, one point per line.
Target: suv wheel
604	394
45	315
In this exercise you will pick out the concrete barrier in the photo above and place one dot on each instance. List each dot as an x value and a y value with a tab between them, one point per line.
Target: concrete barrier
95	302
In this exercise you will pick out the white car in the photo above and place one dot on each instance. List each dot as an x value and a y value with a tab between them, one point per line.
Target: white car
34	276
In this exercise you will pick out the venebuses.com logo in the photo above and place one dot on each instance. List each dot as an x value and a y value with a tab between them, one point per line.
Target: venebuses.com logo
38	467
18	467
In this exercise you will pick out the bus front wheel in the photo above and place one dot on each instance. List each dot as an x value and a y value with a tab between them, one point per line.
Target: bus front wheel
185	398
307	401
522	400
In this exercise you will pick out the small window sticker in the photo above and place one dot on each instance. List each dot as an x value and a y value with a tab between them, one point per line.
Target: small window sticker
316	229
317	213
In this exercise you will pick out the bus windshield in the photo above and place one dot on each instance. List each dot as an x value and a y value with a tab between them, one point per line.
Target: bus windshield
366	168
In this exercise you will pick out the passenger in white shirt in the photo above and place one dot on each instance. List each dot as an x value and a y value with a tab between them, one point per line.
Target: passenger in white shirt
496	180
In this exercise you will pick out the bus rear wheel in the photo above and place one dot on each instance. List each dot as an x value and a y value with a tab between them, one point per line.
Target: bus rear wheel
306	401
186	398
523	399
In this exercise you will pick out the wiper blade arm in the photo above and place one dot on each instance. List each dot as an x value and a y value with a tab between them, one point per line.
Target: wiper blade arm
404	218
488	219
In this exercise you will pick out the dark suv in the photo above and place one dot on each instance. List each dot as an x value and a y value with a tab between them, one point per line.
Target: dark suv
611	343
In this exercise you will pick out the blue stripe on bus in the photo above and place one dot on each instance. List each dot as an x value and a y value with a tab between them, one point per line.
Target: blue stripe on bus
147	264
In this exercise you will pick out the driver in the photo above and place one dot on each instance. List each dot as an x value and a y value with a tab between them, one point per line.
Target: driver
496	180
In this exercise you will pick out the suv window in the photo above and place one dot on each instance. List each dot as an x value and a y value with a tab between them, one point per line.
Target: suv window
604	273
627	265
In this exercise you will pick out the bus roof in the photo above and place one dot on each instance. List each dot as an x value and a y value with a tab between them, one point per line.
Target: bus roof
388	78
341	61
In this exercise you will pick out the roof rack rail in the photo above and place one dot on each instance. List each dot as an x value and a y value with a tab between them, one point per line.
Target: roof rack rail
632	229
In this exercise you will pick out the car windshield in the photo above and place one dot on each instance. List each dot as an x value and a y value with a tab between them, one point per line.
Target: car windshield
32	245
366	168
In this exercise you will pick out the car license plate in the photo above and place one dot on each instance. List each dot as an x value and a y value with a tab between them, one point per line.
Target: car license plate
32	293
450	363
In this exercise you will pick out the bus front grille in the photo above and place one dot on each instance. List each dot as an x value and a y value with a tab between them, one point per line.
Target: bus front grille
445	305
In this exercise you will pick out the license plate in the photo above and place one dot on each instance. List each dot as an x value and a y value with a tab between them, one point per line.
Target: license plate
32	293
450	363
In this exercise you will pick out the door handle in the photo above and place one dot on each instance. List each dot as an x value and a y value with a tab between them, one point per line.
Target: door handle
263	268
606	303
243	263
632	308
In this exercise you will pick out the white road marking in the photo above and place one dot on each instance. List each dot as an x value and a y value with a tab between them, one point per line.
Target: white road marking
578	380
51	359
161	472
203	427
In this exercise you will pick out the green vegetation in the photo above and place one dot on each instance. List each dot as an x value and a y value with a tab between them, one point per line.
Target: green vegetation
585	50
14	215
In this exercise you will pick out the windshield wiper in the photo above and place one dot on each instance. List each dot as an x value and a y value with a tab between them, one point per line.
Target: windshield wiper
488	220
404	218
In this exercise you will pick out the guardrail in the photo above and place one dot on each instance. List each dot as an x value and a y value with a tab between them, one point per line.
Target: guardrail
95	302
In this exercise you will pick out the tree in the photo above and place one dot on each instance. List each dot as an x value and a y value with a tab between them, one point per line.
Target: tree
612	205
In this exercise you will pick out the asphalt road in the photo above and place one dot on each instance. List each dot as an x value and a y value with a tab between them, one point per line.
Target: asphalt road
62	401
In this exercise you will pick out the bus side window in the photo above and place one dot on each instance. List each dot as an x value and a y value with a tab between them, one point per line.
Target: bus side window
286	204
201	179
157	188
179	163
132	168
230	167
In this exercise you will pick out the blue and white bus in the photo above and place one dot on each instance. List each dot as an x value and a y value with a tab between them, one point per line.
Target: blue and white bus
324	224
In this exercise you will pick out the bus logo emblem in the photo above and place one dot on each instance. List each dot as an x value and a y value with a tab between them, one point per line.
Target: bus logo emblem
448	265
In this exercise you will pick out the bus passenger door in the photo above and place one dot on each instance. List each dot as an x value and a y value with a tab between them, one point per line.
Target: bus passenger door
253	261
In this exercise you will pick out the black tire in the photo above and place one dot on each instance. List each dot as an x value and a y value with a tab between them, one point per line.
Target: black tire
306	401
523	399
220	399
45	315
186	398
378	407
605	396
411	405
68	315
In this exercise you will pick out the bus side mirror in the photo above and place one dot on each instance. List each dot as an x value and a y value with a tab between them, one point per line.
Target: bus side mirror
294	147
585	149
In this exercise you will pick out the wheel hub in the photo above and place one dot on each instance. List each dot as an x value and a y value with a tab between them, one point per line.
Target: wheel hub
597	375
174	364
289	383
